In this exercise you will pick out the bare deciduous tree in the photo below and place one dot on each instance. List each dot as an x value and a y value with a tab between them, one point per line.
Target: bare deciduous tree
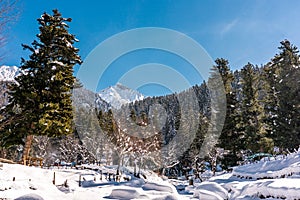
8	13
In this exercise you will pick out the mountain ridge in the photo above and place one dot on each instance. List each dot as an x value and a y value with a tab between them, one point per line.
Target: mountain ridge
119	95
8	73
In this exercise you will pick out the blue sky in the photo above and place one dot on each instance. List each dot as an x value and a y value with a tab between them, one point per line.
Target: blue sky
239	30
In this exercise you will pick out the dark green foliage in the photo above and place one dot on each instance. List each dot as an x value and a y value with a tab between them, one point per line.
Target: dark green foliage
40	102
282	100
231	137
252	113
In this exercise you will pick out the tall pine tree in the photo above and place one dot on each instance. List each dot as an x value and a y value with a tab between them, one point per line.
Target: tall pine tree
282	99
230	138
40	100
252	112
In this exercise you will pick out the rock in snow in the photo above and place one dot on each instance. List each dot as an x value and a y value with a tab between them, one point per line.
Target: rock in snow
30	197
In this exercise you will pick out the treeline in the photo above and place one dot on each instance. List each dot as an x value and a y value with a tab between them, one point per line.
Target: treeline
262	112
262	105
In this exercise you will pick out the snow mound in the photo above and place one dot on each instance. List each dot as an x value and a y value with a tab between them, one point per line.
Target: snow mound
124	194
167	197
135	183
270	169
30	197
211	191
277	188
157	187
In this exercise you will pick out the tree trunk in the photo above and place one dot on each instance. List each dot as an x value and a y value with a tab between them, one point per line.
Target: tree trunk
135	165
2	152
119	164
140	166
27	148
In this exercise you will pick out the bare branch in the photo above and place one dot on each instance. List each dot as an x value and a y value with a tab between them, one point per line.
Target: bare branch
8	13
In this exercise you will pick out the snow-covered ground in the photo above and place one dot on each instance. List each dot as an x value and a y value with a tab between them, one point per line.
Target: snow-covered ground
276	179
37	182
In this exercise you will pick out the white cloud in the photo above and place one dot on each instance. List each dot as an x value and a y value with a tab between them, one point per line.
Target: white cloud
228	27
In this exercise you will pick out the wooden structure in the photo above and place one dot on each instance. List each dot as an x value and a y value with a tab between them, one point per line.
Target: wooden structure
34	161
28	160
3	160
27	148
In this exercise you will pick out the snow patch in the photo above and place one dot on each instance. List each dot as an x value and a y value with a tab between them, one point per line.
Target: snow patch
280	168
124	194
157	187
210	190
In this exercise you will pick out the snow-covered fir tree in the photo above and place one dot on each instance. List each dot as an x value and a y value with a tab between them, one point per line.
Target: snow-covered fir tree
282	96
40	100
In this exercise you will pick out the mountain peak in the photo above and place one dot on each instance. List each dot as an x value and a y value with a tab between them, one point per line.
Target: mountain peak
119	85
119	94
8	73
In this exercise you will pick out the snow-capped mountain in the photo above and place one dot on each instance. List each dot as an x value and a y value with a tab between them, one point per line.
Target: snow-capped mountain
118	95
8	73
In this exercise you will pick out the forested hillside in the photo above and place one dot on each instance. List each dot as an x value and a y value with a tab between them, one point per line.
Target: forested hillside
262	112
